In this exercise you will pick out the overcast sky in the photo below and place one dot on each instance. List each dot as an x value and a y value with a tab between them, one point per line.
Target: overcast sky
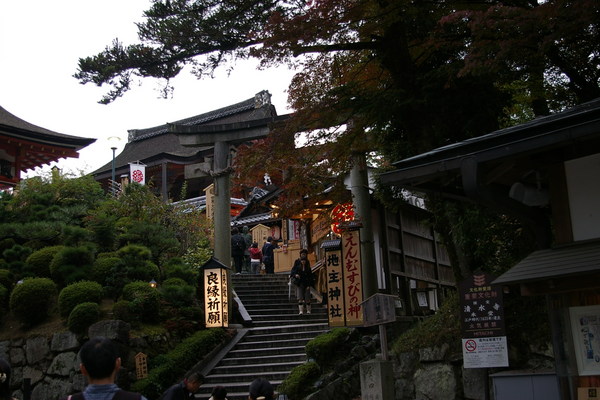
40	43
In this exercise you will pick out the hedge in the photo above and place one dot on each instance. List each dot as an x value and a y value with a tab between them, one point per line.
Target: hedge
32	301
77	293
324	348
82	316
175	364
300	381
39	261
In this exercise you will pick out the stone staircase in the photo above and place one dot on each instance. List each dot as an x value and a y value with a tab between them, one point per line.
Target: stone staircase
273	344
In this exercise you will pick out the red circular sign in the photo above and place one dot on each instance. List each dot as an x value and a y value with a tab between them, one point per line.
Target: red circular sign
137	176
470	345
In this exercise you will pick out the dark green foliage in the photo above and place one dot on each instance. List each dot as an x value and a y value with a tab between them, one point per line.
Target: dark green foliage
174	282
33	300
71	264
3	298
177	362
38	262
7	230
7	279
102	269
121	310
134	265
324	348
144	301
182	321
75	236
82	316
15	257
157	237
299	382
77	293
102	224
178	295
442	327
176	268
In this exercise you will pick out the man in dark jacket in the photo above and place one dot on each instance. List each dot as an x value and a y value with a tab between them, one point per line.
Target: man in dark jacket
184	390
238	245
268	255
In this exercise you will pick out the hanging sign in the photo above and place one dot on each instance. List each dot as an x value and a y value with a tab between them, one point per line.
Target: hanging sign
138	173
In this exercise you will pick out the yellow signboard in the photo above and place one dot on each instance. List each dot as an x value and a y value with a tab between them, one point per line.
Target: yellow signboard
353	291
215	298
335	287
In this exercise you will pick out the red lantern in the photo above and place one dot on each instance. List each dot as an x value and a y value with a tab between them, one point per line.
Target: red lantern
341	213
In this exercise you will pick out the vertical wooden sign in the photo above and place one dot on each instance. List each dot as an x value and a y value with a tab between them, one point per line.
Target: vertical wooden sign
335	287
352	275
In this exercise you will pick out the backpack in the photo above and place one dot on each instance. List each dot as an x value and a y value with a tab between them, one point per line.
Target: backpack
120	395
238	244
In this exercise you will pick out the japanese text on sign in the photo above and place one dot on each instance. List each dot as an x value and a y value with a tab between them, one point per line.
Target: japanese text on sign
215	298
482	310
335	298
353	294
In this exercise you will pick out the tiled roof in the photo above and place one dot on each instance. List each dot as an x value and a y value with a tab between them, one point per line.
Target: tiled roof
11	124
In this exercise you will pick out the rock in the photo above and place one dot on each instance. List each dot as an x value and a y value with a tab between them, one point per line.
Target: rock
36	349
79	382
474	383
112	329
4	346
64	341
63	364
34	374
17	356
434	354
51	389
405	367
404	389
445	386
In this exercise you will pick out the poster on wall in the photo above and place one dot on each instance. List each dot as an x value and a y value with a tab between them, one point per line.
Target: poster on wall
585	328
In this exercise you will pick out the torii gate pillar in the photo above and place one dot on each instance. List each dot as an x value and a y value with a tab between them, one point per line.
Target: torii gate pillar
222	203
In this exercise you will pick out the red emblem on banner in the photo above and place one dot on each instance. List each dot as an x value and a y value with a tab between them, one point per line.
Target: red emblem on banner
137	176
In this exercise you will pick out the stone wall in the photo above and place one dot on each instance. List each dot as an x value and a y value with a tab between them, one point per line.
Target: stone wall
52	363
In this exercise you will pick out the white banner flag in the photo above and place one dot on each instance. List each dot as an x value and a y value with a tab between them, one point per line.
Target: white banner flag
138	173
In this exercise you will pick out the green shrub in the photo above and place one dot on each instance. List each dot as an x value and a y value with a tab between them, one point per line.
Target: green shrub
82	316
71	264
102	269
7	279
299	382
38	262
174	282
121	310
3	297
180	270
324	348
442	327
33	300
77	293
178	295
144	301
177	362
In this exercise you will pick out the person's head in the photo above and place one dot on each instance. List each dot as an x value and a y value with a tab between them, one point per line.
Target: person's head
235	231
303	254
255	245
245	229
269	239
261	389
193	381
99	358
219	393
5	372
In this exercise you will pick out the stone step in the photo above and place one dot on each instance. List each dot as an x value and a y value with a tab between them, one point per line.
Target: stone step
235	372
289	358
235	390
272	343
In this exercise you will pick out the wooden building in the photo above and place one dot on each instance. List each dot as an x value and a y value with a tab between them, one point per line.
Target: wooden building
546	173
26	146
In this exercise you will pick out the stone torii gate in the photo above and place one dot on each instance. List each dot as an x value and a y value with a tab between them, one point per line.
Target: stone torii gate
223	136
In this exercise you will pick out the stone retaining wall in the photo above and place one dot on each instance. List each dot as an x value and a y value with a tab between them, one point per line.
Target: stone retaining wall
52	363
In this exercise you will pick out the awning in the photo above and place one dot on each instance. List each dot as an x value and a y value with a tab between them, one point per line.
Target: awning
560	262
